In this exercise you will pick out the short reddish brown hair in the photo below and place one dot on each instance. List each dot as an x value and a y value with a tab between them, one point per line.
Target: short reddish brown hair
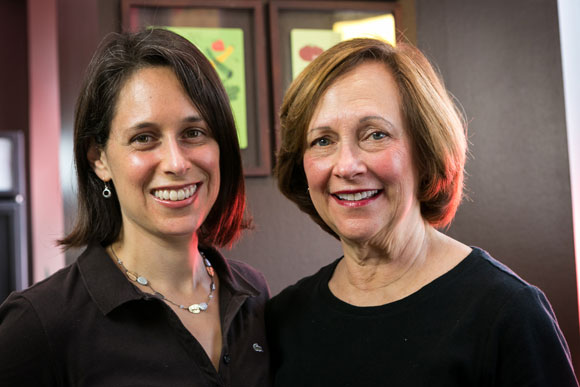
436	127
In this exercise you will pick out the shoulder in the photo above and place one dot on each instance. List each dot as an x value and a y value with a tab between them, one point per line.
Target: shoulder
243	271
50	292
301	290
26	356
236	275
523	329
490	282
490	274
526	335
50	300
17	312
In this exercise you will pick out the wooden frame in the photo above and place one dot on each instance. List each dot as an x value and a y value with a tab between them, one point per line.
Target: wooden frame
247	15
13	248
14	169
311	10
14	273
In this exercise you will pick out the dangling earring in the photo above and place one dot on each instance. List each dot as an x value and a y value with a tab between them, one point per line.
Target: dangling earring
106	191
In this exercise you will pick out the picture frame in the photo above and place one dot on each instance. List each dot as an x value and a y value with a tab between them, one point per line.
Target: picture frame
240	21
12	164
14	267
287	18
14	273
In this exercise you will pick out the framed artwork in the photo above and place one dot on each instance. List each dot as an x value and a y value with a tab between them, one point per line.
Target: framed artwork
231	35
302	30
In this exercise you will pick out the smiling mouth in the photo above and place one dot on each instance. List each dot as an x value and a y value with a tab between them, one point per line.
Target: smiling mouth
355	197
175	195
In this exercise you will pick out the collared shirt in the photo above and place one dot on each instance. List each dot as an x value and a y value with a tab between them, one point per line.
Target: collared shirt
87	325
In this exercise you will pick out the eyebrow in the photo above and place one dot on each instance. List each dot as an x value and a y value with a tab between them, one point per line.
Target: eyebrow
194	119
362	120
371	118
147	124
318	128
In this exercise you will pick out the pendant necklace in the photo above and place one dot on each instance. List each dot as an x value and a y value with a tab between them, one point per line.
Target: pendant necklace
193	308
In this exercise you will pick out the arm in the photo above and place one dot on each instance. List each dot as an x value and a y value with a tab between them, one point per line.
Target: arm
25	358
530	349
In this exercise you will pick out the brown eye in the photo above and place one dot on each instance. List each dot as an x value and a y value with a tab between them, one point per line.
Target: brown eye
193	133
142	139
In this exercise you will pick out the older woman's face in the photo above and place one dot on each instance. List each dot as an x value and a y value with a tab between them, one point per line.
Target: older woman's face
161	156
358	157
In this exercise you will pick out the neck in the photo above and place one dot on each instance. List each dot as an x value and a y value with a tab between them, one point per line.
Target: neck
169	264
381	264
387	267
374	274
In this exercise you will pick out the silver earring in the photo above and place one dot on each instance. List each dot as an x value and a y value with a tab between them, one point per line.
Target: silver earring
106	191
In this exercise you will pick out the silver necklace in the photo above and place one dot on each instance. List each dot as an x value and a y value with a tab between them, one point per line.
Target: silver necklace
193	308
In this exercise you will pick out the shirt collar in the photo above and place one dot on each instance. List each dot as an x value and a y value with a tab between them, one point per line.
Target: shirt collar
109	288
228	276
106	284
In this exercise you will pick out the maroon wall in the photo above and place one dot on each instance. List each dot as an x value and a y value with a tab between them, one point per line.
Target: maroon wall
13	66
502	61
14	75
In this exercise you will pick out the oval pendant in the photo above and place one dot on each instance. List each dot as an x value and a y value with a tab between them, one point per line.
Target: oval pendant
194	308
142	281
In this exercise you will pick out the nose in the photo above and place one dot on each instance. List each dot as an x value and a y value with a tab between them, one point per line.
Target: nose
175	160
349	163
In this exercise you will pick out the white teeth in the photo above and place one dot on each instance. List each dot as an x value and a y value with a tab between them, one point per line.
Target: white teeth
357	196
175	195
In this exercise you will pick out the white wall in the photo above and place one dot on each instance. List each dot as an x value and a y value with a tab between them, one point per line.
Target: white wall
569	14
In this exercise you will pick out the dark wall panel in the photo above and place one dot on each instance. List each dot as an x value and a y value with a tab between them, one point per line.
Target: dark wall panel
502	62
13	113
13	66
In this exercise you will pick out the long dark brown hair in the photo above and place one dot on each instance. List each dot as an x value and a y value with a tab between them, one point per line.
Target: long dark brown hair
117	57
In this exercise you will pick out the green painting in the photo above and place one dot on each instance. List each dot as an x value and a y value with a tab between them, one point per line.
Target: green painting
224	47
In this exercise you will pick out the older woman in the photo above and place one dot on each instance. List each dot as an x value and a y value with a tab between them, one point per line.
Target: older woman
373	149
150	302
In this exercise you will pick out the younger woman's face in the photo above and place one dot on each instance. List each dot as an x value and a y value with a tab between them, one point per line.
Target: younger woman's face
161	156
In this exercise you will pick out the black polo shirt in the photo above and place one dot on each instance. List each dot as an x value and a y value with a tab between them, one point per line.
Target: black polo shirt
87	325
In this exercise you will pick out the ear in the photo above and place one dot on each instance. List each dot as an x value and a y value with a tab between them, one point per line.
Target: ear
98	160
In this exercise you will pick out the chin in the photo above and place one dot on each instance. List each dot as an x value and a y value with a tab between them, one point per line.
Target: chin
365	233
177	232
357	229
357	236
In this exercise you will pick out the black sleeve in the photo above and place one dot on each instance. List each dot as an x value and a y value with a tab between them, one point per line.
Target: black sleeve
531	350
24	349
